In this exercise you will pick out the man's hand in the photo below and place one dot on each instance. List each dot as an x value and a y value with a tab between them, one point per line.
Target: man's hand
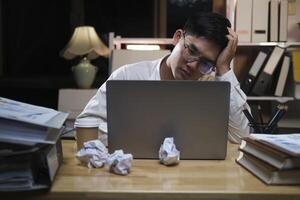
225	57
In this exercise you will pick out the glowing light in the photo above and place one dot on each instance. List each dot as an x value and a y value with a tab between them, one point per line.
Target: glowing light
142	47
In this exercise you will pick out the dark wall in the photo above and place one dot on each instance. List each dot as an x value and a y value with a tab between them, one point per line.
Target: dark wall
128	18
179	11
34	32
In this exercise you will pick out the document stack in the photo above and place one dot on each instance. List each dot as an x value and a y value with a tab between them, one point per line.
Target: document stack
274	159
30	149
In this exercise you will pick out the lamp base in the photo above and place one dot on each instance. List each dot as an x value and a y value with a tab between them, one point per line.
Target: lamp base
84	73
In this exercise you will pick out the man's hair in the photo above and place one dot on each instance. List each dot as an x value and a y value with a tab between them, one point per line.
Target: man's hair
210	25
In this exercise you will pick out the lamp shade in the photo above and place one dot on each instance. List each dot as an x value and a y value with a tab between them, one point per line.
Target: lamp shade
85	41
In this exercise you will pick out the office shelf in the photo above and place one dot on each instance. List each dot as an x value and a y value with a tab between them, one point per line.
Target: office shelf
270	98
263	44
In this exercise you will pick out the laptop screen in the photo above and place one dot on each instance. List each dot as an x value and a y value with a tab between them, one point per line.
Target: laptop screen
141	114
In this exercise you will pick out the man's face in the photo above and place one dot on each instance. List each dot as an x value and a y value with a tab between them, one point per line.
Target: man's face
192	57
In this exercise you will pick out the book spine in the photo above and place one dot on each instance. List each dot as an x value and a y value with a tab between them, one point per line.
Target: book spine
243	20
296	66
274	13
282	76
260	18
283	21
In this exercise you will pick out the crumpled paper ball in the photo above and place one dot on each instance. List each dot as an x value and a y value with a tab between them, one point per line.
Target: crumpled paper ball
93	154
120	163
168	154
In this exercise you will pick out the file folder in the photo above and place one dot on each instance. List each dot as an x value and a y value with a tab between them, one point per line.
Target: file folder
243	20
283	21
260	20
25	168
22	123
264	80
274	20
256	67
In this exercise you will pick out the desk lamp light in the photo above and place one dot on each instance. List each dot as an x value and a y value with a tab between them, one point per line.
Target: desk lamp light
86	44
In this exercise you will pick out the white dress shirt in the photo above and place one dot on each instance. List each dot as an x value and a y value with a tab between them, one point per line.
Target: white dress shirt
94	114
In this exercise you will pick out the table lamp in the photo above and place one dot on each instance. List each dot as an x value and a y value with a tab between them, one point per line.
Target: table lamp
86	44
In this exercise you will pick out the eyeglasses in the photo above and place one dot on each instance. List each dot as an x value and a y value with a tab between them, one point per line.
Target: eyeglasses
205	66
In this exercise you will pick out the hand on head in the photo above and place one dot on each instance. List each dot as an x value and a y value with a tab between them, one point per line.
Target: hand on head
227	54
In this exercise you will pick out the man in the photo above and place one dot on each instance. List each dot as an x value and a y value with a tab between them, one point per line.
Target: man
205	44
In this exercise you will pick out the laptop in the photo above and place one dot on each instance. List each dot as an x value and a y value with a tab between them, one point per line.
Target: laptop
140	114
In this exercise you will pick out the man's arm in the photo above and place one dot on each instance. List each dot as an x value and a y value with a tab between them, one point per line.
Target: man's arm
238	123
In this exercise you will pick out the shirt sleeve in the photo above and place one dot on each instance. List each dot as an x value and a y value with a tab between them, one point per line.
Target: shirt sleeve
238	123
94	114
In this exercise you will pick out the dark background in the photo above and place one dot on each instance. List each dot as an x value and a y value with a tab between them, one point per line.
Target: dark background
33	32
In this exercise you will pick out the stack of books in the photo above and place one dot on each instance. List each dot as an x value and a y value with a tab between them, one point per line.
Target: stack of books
274	159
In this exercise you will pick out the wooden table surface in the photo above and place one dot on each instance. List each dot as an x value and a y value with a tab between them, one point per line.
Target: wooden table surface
201	179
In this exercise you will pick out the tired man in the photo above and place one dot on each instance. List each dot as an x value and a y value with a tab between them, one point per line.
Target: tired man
203	50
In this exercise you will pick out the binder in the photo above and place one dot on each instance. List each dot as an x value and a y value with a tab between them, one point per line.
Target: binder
274	17
22	123
254	71
30	149
25	168
297	90
264	80
230	12
260	20
243	20
296	73
296	66
283	21
293	20
282	76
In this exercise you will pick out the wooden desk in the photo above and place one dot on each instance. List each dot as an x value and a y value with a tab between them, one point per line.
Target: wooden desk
148	179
